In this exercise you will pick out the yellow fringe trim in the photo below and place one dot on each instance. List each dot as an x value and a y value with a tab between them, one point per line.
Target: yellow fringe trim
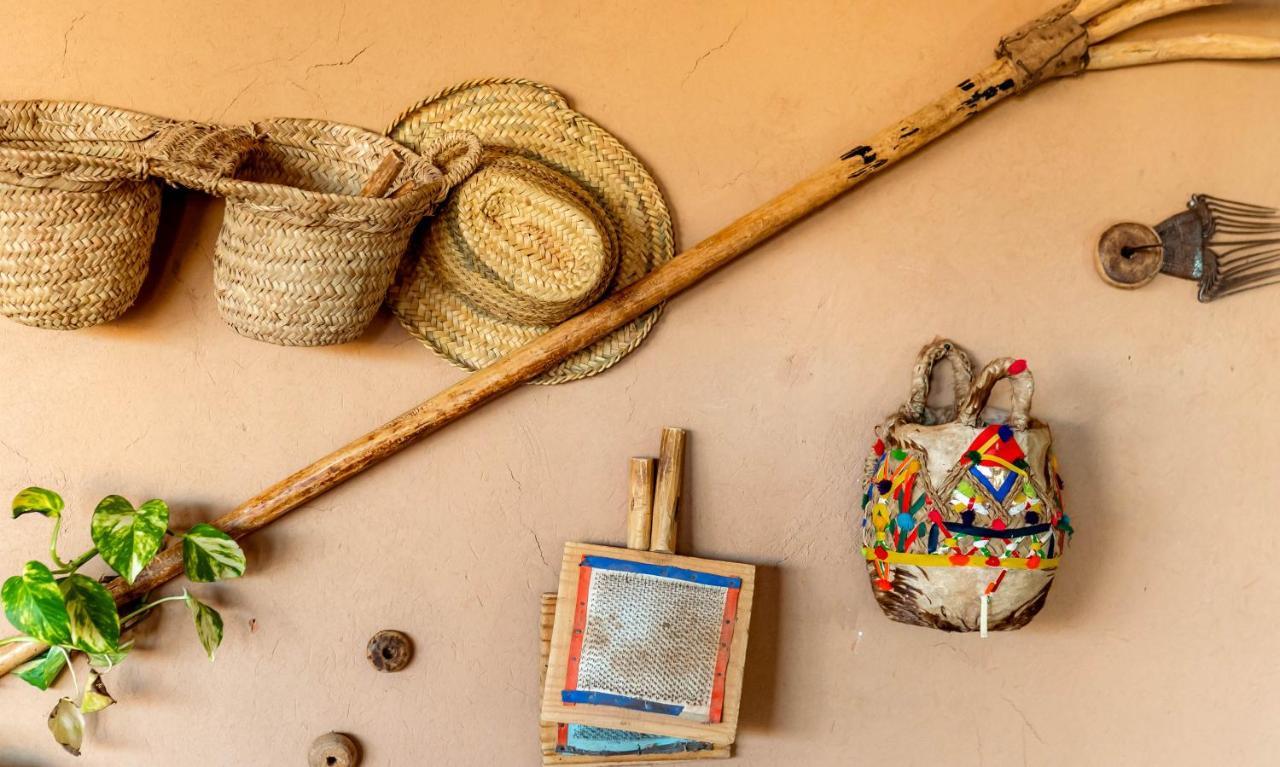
944	560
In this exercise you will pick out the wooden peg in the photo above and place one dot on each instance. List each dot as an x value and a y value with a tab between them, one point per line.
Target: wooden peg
640	503
383	176
666	495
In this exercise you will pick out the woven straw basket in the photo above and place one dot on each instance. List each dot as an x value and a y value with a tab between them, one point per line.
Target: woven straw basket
303	259
962	523
79	203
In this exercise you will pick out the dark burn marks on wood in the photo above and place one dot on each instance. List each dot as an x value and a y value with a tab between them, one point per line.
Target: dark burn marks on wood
870	160
985	94
908	131
867	154
967	85
864	170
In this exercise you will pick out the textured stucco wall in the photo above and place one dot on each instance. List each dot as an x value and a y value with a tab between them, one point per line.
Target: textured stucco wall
1158	643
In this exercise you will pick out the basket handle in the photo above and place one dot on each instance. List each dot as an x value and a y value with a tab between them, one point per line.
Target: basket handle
197	154
922	376
446	161
1019	376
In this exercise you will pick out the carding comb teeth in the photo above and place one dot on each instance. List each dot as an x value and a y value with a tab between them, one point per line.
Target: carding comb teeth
1227	247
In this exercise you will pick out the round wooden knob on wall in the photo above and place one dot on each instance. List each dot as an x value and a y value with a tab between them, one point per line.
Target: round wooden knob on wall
390	650
1129	255
333	750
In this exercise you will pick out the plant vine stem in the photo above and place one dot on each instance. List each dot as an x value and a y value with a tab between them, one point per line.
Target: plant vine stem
53	543
70	667
15	640
77	563
150	605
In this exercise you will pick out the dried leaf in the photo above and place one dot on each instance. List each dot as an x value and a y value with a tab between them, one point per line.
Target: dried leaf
67	725
96	696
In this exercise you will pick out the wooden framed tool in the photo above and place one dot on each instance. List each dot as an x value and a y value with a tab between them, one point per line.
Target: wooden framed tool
563	743
648	641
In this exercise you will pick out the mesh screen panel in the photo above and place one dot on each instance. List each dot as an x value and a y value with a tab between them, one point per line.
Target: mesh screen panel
651	638
583	739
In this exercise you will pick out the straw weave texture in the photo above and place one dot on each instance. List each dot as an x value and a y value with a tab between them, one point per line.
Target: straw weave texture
302	258
558	215
79	205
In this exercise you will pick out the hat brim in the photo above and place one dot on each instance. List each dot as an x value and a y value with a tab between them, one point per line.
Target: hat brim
533	121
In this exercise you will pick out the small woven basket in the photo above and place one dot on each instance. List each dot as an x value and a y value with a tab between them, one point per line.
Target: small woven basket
79	204
303	259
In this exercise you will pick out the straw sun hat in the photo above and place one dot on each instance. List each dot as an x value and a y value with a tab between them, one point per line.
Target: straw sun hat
557	215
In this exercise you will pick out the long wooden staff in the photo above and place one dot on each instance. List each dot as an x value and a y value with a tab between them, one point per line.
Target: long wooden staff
1058	44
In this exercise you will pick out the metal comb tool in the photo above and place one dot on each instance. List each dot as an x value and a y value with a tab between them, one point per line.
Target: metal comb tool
1227	247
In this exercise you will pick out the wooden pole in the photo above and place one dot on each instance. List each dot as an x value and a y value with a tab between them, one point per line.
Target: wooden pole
1137	12
640	503
1215	46
993	84
666	495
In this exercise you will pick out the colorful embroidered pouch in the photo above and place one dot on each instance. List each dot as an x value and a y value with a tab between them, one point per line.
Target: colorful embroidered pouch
962	526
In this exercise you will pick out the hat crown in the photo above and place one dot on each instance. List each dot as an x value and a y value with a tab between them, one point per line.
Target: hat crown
537	247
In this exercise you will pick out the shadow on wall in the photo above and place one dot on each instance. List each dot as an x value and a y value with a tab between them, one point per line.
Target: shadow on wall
1086	475
180	215
760	678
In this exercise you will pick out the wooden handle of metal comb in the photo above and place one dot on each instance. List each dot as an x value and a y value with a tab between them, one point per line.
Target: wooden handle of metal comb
640	503
666	496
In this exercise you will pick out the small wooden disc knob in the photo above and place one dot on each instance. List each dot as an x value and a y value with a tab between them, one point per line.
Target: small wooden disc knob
390	650
333	750
1129	255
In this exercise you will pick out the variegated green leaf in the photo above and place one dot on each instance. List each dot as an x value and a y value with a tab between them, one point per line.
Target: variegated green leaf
105	661
95	624
43	671
37	500
211	555
127	538
33	604
208	624
96	696
67	725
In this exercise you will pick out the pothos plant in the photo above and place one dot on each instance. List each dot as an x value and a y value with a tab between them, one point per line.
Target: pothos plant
57	605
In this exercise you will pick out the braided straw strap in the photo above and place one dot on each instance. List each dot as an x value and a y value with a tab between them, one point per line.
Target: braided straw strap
915	409
302	258
1023	388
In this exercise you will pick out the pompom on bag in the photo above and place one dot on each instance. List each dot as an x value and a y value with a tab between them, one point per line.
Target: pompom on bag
962	520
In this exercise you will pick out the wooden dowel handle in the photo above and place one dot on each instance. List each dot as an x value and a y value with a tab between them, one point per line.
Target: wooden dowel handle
640	503
667	491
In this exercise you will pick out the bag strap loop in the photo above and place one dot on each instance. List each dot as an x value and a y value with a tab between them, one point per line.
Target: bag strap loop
1019	376
922	376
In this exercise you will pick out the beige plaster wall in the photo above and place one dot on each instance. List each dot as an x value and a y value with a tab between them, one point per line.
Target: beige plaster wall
1158	645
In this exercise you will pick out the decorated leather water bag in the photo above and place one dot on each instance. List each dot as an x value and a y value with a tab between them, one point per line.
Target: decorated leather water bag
962	525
